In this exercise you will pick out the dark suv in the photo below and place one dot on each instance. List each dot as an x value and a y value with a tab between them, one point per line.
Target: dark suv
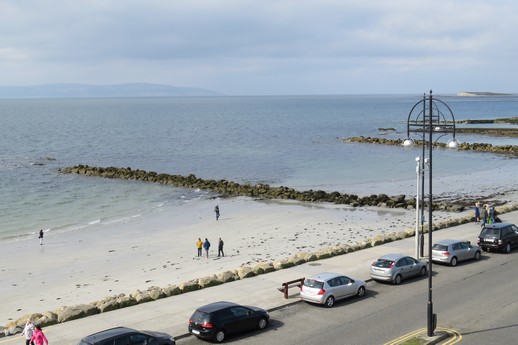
217	320
499	236
125	336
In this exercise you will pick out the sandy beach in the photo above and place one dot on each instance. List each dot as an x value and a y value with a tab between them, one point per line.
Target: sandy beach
82	267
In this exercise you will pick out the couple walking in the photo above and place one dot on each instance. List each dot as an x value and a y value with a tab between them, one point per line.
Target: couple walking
33	334
206	245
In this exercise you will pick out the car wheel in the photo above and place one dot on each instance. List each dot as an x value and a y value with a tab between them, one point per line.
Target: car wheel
330	301
477	255
361	291
453	261
397	279
262	323
507	248
422	272
220	336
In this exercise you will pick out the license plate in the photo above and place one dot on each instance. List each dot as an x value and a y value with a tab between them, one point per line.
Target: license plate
489	240
195	331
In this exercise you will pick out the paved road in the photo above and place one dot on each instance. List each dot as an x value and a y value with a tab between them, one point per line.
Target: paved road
171	314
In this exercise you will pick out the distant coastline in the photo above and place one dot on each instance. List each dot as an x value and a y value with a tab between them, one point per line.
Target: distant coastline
483	93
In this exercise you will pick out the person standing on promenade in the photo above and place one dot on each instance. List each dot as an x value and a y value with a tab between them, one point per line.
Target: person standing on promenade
41	236
38	337
28	331
216	210
199	245
206	246
220	248
483	215
477	212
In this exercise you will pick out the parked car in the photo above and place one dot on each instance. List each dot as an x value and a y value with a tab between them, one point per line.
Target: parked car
396	267
452	251
498	237
217	320
124	335
326	288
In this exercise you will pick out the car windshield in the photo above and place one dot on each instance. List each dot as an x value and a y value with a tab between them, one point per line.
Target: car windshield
490	233
440	247
383	263
312	283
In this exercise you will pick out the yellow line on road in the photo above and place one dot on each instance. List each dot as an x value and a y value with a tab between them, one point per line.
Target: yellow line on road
405	337
455	336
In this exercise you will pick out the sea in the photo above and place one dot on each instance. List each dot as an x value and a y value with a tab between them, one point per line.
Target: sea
293	141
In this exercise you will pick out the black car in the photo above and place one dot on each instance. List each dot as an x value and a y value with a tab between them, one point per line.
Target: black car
217	320
499	236
124	336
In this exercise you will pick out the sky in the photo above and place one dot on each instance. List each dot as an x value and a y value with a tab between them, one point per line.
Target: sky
264	47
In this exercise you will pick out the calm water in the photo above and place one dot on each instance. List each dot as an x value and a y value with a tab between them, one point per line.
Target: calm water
291	141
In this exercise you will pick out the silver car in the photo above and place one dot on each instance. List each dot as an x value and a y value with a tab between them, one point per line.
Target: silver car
326	288
396	267
452	251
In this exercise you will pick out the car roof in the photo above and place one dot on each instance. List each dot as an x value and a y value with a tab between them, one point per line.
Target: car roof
497	225
324	276
212	307
447	242
393	257
107	334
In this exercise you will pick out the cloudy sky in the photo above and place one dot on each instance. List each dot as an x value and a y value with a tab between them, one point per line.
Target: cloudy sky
264	47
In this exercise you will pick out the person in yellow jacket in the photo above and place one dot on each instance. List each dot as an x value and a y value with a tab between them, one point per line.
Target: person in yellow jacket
199	245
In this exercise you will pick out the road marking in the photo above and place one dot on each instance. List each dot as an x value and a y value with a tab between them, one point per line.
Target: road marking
405	337
455	336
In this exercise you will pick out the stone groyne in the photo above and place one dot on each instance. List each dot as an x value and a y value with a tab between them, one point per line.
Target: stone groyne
511	150
264	191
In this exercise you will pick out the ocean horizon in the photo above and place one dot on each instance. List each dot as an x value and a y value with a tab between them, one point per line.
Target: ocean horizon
294	141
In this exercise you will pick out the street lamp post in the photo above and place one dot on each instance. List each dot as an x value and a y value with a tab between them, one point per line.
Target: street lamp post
430	120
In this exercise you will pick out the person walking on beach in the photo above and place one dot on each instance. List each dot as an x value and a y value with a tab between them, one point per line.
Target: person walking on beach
206	246
38	337
199	245
41	236
477	212
216	210
220	248
28	331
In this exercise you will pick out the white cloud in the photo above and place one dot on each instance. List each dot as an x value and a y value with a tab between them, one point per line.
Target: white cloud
262	47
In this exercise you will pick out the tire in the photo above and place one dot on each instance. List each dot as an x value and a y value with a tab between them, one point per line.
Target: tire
507	248
453	261
262	323
422	272
220	336
398	279
330	301
361	292
477	255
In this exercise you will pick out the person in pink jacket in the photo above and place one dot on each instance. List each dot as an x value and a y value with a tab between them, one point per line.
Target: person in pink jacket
38	337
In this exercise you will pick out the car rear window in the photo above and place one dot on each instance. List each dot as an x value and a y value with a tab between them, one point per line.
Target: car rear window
493	233
440	247
200	317
383	263
312	283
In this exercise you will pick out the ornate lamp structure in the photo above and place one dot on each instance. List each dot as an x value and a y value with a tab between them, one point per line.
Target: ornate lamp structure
429	117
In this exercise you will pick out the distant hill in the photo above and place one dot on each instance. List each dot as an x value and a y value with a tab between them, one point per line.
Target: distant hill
94	91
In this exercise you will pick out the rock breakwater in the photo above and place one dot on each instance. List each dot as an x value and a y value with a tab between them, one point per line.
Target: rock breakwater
265	191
